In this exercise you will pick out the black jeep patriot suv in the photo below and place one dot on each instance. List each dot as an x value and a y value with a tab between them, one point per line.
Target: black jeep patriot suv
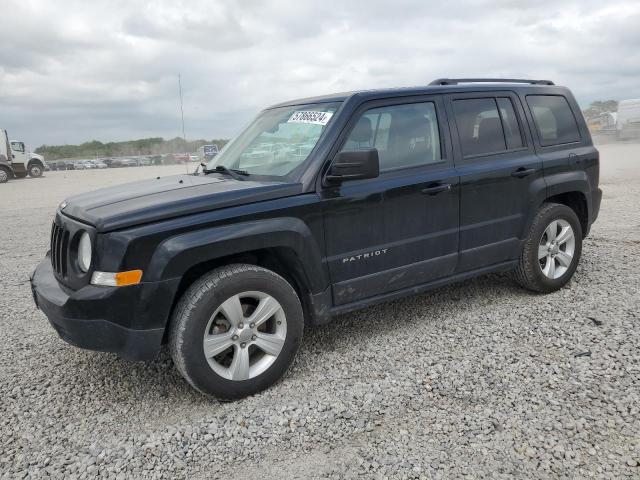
322	206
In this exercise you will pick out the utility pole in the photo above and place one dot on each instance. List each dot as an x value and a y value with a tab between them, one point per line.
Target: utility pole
184	137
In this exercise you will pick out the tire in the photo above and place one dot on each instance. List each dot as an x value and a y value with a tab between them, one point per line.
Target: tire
205	313
35	169
544	265
5	175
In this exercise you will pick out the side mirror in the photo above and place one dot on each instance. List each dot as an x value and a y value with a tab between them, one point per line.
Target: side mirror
353	165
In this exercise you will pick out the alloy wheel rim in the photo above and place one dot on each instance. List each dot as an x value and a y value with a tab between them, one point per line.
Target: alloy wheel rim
556	249
245	335
3	176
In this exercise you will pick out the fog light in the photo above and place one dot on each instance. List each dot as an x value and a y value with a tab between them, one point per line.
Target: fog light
117	279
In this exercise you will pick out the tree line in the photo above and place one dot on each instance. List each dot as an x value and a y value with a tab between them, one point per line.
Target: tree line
143	146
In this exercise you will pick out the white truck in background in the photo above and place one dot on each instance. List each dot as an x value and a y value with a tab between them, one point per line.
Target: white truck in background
16	161
26	163
628	119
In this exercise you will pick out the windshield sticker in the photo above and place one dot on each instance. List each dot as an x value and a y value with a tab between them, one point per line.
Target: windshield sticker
316	118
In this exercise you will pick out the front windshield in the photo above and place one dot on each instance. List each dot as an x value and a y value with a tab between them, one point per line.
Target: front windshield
277	141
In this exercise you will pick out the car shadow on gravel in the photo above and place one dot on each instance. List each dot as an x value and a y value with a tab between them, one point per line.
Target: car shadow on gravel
158	383
413	310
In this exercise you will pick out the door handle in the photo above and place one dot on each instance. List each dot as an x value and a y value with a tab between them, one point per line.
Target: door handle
434	190
523	172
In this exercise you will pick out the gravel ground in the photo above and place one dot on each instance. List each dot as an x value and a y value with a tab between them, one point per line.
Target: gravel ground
480	379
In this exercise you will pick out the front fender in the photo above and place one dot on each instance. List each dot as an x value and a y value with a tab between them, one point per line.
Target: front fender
177	254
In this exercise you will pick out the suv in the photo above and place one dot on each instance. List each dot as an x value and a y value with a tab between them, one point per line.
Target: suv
399	191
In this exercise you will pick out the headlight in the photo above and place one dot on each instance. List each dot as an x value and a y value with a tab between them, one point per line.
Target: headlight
84	252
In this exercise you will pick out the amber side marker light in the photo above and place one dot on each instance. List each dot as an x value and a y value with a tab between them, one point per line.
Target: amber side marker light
116	279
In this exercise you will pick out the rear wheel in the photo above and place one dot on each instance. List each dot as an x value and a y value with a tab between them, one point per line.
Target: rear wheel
4	175
236	331
552	249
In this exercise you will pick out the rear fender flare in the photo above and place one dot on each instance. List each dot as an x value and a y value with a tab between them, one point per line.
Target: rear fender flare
556	184
568	182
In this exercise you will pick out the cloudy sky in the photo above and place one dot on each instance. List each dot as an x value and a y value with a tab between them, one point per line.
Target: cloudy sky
72	71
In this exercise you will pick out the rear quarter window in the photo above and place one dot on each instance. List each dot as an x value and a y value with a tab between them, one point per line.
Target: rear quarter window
554	119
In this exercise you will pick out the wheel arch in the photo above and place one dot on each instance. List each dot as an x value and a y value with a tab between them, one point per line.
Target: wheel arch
572	189
576	201
285	246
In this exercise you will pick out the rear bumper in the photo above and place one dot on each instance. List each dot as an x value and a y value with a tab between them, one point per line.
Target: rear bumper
595	204
128	321
595	199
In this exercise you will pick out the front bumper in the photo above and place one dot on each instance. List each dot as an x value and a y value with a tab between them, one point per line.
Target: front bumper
129	321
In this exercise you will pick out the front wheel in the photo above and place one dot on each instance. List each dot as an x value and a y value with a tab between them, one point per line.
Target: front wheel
236	331
35	170
552	249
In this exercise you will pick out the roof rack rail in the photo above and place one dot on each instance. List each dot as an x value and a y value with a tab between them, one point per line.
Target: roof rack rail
456	81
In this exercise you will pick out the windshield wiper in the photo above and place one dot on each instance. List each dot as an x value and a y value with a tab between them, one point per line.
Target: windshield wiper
232	172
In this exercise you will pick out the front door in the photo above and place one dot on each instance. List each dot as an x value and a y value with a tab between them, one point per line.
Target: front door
20	158
400	229
499	171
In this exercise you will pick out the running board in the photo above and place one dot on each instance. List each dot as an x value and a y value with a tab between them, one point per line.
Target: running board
386	297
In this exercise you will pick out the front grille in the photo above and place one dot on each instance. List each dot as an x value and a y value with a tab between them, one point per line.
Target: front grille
59	249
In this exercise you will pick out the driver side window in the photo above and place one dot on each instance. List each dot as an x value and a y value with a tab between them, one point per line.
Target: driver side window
404	135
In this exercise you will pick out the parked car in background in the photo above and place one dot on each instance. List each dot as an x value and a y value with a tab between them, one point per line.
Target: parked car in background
128	162
181	158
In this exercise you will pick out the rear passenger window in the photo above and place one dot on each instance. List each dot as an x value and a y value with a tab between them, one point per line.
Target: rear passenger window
554	119
479	126
510	123
405	135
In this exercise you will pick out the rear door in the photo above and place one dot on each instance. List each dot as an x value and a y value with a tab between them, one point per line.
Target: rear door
498	169
400	229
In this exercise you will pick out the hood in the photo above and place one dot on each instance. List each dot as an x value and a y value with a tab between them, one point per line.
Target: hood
147	201
35	155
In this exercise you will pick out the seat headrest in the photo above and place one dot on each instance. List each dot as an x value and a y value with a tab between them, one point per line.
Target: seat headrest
490	135
363	131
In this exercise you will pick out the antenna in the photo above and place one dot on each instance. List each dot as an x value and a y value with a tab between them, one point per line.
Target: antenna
184	137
